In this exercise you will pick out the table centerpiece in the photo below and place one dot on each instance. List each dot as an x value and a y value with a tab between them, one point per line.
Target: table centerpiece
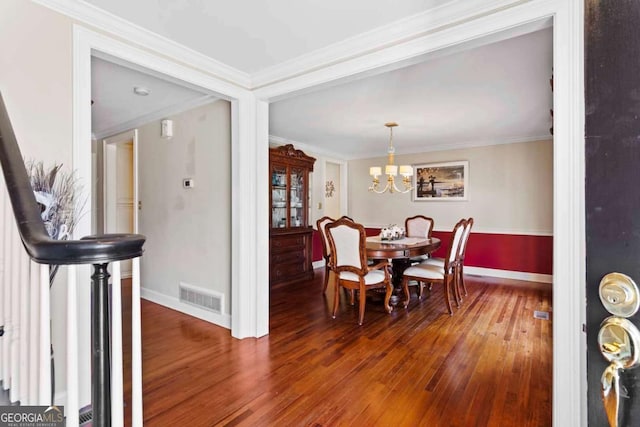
392	232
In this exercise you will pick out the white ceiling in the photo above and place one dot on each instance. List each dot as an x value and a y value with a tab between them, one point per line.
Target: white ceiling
494	94
469	95
252	35
117	108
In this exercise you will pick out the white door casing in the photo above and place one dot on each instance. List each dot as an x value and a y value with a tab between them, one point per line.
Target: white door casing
120	186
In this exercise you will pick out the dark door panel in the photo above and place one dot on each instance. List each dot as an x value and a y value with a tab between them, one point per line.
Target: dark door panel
612	153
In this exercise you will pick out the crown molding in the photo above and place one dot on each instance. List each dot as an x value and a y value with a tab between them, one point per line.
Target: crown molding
330	155
427	149
474	144
389	35
154	115
100	19
393	34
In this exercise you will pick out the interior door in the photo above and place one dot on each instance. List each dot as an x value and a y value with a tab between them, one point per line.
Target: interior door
612	153
120	155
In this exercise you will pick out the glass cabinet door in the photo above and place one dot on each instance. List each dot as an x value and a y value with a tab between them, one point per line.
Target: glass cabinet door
297	201
279	196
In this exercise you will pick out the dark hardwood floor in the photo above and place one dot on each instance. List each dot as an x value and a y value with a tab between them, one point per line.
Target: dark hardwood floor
487	365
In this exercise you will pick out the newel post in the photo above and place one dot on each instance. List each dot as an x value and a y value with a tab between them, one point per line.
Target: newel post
101	360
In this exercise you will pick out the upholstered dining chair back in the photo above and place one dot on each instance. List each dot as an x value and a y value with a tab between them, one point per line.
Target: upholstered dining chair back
465	237
347	240
418	226
454	249
320	225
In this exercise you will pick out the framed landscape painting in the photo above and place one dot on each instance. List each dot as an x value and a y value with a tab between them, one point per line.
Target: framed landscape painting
441	181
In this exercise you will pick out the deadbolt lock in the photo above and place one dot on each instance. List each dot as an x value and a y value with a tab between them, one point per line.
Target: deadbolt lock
619	294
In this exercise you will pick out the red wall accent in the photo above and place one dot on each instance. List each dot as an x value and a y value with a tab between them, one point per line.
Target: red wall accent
512	252
316	245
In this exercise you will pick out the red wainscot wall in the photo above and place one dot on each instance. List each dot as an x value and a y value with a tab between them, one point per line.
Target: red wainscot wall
511	252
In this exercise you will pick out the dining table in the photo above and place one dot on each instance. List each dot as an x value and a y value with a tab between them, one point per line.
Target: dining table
400	252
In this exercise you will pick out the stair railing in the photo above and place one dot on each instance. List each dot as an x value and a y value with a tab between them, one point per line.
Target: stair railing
25	346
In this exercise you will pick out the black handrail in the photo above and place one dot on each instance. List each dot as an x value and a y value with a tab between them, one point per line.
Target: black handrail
96	250
40	247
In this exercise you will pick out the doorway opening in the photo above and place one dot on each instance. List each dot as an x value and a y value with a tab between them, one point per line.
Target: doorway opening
168	169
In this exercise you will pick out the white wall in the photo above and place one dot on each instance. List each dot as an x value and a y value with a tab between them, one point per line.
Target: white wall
36	85
188	230
510	190
332	204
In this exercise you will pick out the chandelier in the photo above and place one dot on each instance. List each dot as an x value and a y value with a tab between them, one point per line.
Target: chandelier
391	170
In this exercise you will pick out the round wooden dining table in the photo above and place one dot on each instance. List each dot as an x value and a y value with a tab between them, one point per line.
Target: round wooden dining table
400	253
400	249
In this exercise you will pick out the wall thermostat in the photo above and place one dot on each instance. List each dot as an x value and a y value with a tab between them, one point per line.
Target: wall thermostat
188	183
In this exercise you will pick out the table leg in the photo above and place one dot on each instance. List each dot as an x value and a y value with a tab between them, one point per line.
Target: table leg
398	266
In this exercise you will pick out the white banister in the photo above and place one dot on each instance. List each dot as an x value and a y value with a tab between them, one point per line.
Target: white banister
44	357
34	334
24	328
25	315
72	406
136	347
3	260
117	394
6	298
14	391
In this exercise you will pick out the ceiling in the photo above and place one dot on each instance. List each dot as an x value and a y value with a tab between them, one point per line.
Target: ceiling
497	93
483	93
117	108
254	35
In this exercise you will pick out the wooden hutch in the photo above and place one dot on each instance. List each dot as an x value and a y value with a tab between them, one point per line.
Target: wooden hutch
290	233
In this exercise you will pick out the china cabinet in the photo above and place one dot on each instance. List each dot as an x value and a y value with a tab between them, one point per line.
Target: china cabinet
290	234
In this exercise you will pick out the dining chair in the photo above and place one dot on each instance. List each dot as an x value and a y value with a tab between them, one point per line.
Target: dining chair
347	242
326	250
418	226
430	274
460	261
462	252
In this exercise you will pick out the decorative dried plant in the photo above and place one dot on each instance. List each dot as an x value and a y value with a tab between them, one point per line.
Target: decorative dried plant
57	195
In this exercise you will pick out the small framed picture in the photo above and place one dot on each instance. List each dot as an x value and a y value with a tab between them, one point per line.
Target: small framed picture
441	181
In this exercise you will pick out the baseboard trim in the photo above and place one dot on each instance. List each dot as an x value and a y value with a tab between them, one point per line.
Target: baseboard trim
60	398
506	274
317	264
223	320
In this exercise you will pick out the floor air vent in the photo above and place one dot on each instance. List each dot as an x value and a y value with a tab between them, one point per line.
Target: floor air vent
86	416
544	315
201	298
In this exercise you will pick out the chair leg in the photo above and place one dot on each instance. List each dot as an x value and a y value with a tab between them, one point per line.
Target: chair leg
456	289
405	287
326	277
363	302
447	293
387	297
336	297
421	286
464	287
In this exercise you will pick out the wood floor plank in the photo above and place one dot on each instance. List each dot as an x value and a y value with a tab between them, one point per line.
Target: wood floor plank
490	364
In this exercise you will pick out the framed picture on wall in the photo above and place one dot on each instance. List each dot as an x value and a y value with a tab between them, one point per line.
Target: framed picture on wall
441	181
